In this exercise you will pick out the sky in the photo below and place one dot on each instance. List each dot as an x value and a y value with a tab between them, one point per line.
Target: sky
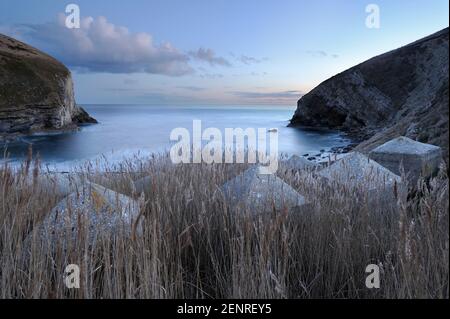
214	52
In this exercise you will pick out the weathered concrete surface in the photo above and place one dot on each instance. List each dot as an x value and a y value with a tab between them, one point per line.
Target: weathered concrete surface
86	214
356	170
259	193
418	159
296	162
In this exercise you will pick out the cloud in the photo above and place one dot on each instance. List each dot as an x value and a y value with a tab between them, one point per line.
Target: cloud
148	95
209	56
258	74
321	54
100	46
248	60
121	89
162	98
267	97
317	53
211	76
130	81
192	88
271	95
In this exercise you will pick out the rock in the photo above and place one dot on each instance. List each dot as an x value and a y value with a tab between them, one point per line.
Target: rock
260	193
402	92
80	117
418	159
356	174
126	206
336	149
298	163
346	149
312	158
92	211
102	180
331	158
36	91
356	170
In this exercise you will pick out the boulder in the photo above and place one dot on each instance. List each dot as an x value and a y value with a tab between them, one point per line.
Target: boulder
101	179
296	162
331	158
260	192
418	159
93	211
357	171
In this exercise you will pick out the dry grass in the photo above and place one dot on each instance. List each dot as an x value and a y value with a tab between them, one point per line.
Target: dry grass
194	246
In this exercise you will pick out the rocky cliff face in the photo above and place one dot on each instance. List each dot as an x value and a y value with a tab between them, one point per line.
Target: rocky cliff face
402	92
36	91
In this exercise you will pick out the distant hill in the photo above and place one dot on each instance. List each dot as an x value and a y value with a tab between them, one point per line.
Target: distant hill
402	92
36	91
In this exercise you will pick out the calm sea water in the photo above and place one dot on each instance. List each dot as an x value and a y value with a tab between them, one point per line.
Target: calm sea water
125	130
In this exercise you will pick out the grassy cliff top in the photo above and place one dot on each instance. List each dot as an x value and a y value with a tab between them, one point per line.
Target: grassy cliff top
27	75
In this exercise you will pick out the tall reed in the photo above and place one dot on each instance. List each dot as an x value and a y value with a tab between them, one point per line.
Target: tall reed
194	245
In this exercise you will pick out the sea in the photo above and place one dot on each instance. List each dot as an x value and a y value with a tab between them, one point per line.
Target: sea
126	131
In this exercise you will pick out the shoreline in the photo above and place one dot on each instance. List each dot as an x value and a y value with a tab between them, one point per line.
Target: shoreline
12	137
115	157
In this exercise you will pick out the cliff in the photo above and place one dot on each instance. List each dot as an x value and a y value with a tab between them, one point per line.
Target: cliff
36	91
402	92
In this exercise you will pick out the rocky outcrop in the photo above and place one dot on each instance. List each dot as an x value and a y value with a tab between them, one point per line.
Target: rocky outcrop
297	163
414	158
83	217
259	192
401	93
36	91
357	174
